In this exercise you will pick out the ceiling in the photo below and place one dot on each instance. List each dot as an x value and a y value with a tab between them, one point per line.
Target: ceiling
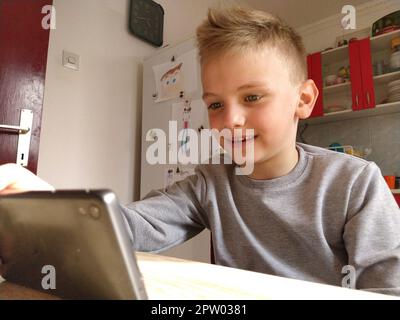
298	13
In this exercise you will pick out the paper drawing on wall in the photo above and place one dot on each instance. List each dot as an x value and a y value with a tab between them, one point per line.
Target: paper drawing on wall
168	178
177	78
190	114
172	83
185	124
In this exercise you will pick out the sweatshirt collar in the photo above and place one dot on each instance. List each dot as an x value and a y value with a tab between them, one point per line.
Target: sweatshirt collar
281	182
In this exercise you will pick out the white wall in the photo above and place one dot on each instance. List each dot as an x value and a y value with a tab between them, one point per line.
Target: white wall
183	16
91	116
91	129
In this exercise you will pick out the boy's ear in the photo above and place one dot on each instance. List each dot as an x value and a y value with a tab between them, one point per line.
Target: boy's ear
308	96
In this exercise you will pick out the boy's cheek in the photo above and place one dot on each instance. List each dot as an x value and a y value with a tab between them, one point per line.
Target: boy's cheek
214	124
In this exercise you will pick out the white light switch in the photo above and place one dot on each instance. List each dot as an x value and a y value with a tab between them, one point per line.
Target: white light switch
70	60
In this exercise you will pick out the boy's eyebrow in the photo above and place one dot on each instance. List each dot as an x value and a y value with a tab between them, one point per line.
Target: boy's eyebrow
243	87
208	94
252	85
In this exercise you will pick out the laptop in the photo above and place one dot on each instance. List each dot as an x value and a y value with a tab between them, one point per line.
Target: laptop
71	244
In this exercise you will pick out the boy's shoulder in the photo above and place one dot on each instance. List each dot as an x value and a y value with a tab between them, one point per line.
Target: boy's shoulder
323	159
323	154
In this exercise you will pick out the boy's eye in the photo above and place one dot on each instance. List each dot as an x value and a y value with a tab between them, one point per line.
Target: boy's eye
215	105
252	98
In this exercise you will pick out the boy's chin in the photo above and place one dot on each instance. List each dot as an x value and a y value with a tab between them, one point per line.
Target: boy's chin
243	160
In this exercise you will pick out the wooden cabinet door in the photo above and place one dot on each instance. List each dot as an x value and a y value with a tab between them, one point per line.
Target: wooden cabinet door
368	91
314	64
23	58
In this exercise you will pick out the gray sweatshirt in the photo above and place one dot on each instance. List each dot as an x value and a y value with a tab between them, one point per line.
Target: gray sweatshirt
332	210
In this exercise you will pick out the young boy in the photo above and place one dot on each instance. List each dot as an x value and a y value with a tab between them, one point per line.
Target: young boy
304	212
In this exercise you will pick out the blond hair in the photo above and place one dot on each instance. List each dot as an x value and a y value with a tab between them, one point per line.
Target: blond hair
238	29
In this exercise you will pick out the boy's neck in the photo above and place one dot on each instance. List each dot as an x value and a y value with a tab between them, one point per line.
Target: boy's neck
279	165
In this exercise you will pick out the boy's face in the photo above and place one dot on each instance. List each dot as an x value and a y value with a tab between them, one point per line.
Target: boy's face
253	91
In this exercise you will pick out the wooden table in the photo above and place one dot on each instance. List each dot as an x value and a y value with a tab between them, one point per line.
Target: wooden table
171	278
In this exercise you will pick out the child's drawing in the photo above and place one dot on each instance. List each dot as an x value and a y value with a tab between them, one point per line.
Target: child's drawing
172	83
176	78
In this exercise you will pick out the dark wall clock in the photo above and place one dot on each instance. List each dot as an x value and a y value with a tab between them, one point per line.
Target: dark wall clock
146	21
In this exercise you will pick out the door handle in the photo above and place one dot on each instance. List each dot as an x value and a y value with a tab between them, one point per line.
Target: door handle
367	98
16	129
24	131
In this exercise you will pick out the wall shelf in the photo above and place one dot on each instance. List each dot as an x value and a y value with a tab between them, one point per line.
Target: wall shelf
378	43
383	41
387	77
380	79
335	55
370	88
336	88
380	109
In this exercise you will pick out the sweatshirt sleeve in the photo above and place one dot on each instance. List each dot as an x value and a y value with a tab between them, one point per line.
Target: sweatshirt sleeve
372	233
164	219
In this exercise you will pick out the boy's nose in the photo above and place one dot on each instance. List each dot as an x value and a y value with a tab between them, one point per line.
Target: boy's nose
234	116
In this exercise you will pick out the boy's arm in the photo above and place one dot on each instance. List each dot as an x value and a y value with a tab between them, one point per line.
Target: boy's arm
164	219
372	233
15	179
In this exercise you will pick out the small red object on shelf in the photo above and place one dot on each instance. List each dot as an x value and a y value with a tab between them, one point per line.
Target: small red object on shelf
397	198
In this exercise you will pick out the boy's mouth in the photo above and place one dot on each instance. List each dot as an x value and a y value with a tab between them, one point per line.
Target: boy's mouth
237	141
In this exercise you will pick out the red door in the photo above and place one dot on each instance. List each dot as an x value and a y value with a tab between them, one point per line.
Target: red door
367	73
356	76
362	83
315	73
23	56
